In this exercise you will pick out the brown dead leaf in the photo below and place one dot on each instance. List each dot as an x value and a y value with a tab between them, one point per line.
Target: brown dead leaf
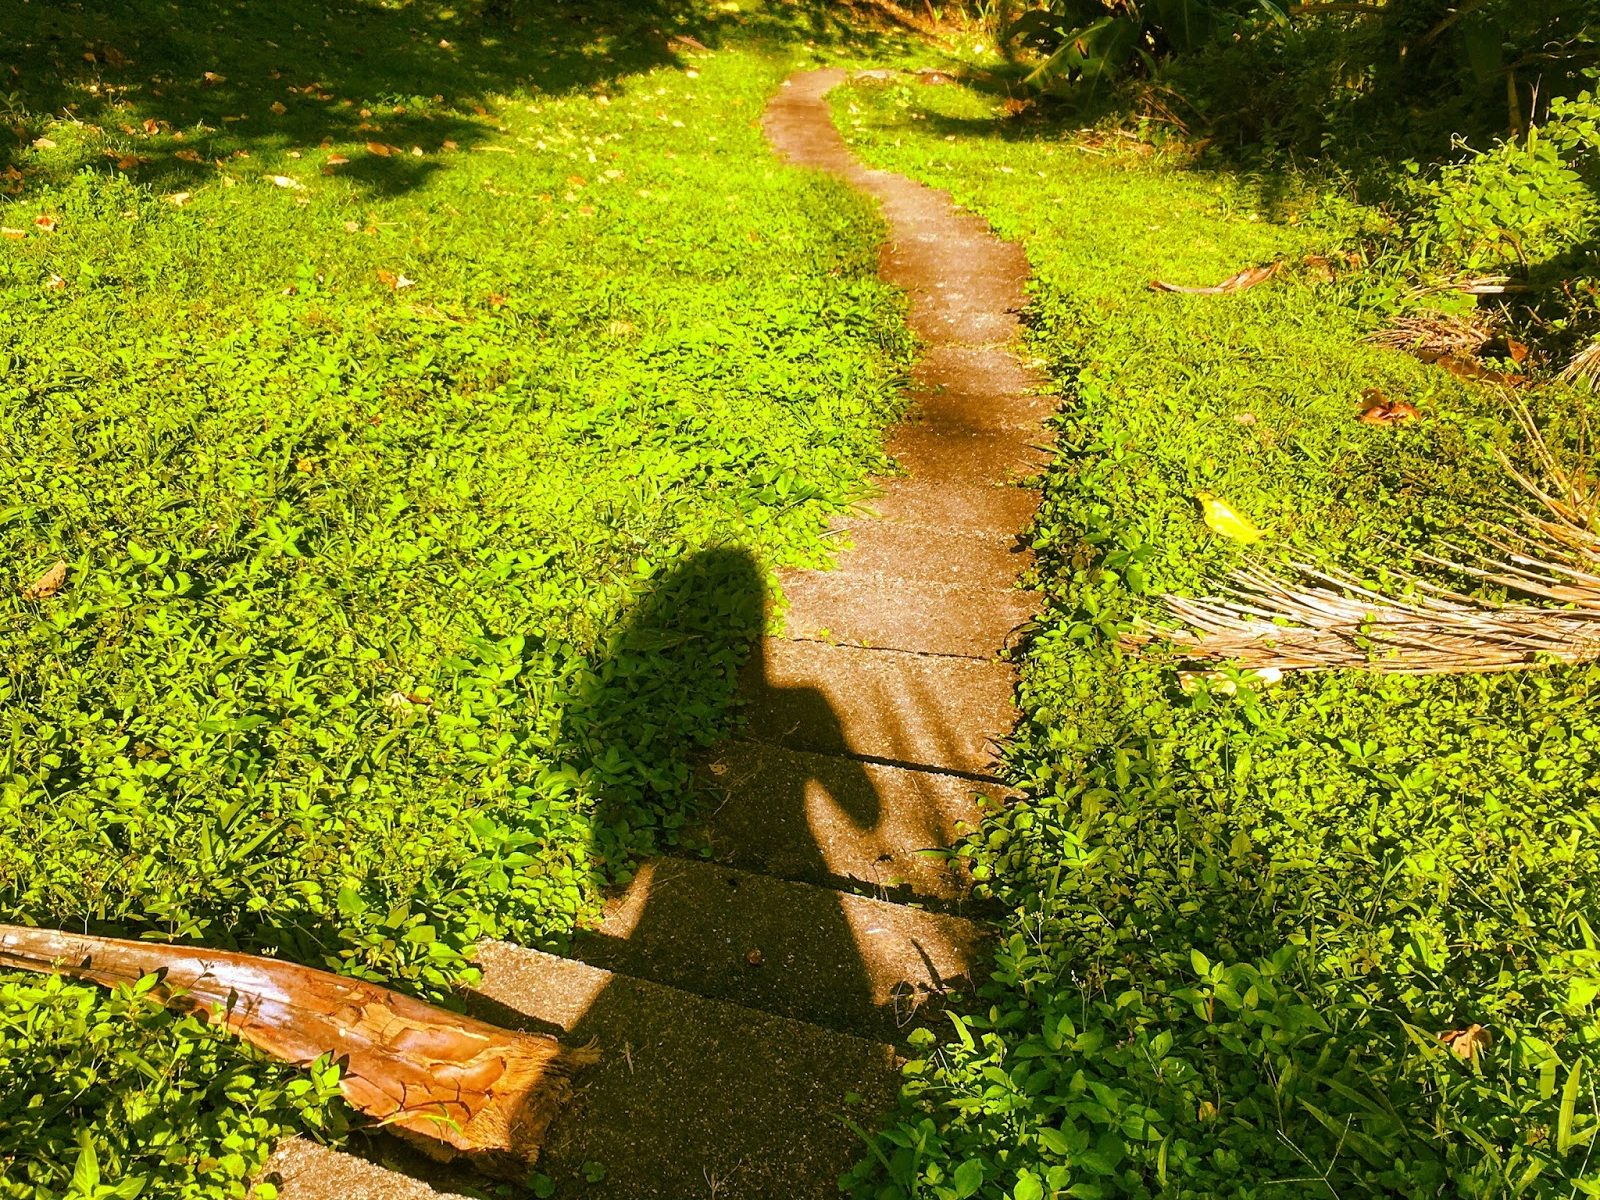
44	143
1319	266
1465	367
395	281
188	156
15	235
151	125
1243	280
46	222
211	78
1468	1044
129	161
48	584
179	199
449	145
286	181
496	300
405	701
1015	106
379	149
1378	409
55	284
278	107
115	58
753	957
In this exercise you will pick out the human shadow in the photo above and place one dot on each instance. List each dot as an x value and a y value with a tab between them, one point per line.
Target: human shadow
723	1068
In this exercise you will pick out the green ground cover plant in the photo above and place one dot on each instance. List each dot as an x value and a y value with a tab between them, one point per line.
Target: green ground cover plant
1240	923
363	364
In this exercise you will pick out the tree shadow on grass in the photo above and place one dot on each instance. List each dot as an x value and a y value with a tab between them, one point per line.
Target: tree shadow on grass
210	79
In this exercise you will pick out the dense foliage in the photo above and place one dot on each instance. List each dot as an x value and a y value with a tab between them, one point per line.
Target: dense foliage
1240	923
400	386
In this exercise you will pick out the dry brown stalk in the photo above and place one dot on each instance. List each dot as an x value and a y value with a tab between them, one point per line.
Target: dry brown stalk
453	1085
1240	281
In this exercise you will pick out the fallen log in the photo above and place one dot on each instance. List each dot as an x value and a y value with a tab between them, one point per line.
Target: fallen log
452	1085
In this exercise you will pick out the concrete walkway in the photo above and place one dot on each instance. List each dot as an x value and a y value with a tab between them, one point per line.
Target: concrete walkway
748	1003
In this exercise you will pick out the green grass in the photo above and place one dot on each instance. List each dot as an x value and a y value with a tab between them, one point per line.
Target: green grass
1239	924
392	613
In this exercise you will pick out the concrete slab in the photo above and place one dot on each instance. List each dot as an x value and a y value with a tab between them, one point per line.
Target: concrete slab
852	609
924	447
375	1169
914	551
836	960
977	508
975	389
830	820
903	709
692	1097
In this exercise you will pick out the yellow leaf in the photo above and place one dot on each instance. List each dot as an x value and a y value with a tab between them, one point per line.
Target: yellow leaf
1223	520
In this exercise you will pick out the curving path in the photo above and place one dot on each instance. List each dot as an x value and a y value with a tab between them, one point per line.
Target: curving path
740	998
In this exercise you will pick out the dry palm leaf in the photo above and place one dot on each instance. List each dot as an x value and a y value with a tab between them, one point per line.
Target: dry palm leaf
1584	369
1327	620
1330	621
452	1084
1248	278
1434	333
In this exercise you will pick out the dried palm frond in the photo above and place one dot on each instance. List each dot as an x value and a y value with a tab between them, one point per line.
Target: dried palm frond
1584	369
451	1084
1328	619
1331	621
1432	333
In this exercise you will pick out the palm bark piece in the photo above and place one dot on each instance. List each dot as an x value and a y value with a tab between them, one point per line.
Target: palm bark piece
451	1084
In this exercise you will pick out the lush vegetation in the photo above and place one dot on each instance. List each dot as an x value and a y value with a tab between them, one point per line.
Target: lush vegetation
406	390
1243	916
401	384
